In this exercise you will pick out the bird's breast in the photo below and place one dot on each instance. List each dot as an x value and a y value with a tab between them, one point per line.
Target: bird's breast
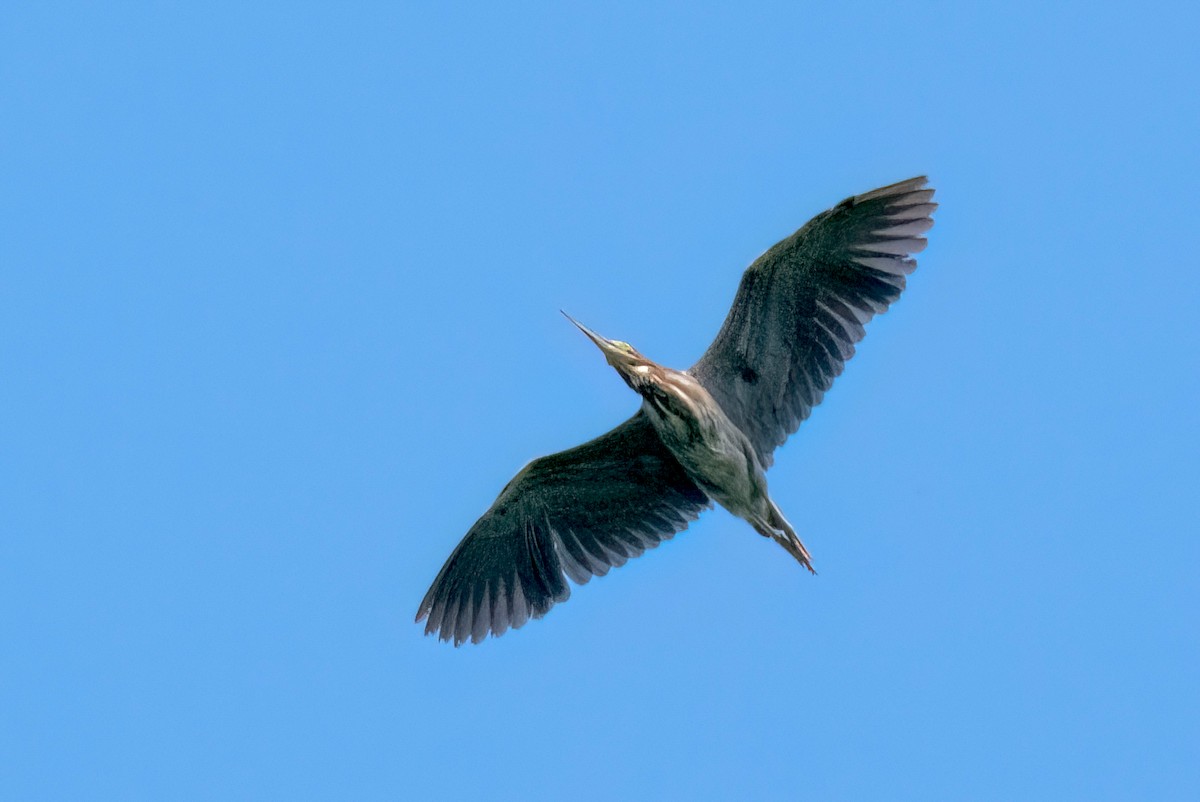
713	451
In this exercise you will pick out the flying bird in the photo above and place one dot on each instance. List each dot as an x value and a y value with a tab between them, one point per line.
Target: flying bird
706	434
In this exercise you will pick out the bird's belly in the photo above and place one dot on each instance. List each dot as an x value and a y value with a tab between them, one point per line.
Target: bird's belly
718	459
727	478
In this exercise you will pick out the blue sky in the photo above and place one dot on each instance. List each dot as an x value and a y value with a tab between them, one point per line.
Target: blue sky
279	293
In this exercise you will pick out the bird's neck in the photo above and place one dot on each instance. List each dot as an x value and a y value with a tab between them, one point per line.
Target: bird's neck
669	391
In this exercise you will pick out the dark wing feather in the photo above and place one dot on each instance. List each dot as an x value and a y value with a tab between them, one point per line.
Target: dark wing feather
802	305
578	512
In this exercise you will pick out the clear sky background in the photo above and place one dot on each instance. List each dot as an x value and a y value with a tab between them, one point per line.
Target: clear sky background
279	318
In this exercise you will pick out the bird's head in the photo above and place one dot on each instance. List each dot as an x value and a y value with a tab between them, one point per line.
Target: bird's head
621	355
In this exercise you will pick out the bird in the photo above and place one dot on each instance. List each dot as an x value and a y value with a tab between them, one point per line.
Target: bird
703	435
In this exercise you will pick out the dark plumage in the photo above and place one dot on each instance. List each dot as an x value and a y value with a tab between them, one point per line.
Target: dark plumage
802	306
578	512
799	311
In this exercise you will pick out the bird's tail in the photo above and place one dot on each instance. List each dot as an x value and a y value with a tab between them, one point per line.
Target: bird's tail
776	527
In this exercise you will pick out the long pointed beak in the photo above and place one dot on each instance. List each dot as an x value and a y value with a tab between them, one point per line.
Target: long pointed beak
601	342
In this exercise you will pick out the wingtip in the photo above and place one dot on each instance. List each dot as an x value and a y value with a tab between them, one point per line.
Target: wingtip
425	607
898	188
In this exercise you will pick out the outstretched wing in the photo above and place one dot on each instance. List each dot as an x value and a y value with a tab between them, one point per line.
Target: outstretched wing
578	512
802	306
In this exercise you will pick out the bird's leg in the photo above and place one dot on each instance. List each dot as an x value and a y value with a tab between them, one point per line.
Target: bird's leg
776	527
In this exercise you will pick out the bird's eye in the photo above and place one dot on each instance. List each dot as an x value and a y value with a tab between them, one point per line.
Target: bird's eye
624	346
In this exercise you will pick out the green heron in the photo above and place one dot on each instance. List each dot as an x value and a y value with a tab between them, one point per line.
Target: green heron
702	435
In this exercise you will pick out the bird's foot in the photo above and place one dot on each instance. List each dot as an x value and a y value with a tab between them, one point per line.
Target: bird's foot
793	546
